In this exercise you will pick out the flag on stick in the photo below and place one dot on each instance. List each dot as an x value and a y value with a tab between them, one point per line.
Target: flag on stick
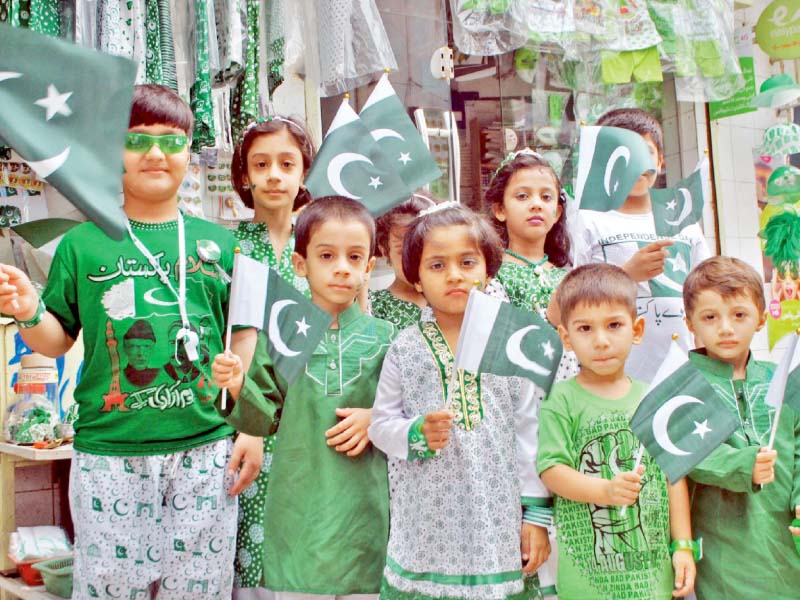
67	116
681	420
498	338
681	205
294	326
610	161
786	377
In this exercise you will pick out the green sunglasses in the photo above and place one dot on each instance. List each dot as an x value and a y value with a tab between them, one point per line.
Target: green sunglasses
169	144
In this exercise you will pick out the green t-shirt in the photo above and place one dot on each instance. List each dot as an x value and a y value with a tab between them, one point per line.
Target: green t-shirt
602	554
138	394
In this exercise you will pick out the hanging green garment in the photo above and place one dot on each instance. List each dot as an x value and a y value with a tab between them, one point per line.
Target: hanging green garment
153	38
44	17
244	100
200	94
169	76
275	54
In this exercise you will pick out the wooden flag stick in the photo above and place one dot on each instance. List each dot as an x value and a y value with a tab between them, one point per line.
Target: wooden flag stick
228	331
637	462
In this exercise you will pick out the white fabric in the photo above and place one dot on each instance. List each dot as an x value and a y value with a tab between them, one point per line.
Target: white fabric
614	237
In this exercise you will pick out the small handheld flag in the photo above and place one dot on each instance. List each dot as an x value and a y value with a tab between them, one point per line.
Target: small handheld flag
786	372
681	205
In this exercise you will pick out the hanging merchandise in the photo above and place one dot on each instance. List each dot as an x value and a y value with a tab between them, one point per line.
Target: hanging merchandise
276	42
41	16
353	45
631	48
121	30
742	101
487	27
783	138
777	92
160	50
228	20
244	98
202	108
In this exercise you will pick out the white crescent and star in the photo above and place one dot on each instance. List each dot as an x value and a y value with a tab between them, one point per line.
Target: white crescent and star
379	134
302	327
149	297
334	172
274	330
661	423
9	75
48	166
688	206
516	356
55	103
621	153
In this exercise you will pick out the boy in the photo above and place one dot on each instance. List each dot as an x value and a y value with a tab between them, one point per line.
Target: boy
743	496
627	238
149	486
326	521
587	454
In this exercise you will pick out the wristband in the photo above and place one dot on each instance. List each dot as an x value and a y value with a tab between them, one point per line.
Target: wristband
693	546
35	319
796	523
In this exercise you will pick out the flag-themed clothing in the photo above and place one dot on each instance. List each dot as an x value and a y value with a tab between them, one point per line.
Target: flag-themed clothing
139	394
601	553
748	549
326	518
400	313
161	521
254	241
456	515
528	287
614	237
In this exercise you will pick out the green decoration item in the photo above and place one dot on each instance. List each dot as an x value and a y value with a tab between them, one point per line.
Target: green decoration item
783	138
777	91
784	181
776	30
782	234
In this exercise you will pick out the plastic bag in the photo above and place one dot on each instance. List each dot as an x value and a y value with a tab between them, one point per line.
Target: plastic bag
488	27
33	418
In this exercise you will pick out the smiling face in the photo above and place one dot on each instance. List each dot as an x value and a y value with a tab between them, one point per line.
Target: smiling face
725	326
530	205
601	337
336	262
153	177
450	264
274	171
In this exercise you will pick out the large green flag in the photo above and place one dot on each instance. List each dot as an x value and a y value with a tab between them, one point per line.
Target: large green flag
350	163
681	420
386	118
610	161
499	338
65	111
294	326
681	205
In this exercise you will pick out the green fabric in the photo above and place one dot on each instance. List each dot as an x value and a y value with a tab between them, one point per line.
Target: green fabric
244	99
200	93
253	240
417	442
108	290
44	17
703	55
602	554
471	580
746	543
326	521
391	593
389	307
529	288
618	67
153	70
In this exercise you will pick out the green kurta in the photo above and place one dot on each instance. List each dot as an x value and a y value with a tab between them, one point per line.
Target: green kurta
400	313
749	551
326	522
527	287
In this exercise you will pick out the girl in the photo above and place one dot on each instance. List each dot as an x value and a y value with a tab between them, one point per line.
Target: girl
528	211
461	456
267	170
400	303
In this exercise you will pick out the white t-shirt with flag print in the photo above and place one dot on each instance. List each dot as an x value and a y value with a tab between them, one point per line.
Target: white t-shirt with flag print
614	237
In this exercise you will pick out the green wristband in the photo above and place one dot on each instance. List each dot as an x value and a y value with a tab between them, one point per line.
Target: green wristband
693	546
35	319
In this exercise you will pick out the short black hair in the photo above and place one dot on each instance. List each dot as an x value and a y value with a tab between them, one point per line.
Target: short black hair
481	231
402	214
155	104
636	120
330	208
595	284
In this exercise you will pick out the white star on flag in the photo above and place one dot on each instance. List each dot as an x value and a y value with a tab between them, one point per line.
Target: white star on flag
678	264
302	326
374	182
405	157
701	429
671	204
55	103
548	349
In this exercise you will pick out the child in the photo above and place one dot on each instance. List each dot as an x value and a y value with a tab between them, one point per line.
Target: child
627	238
461	464
528	210
743	496
587	450
400	303
149	485
326	518
267	170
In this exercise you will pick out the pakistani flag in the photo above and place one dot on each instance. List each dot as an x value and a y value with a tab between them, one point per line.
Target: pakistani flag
386	118
681	420
786	377
65	111
676	269
682	205
294	326
350	163
498	338
610	161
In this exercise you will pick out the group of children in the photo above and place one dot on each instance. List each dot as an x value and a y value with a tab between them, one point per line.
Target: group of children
380	472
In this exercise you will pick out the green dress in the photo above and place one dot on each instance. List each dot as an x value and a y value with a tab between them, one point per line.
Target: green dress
401	313
529	287
326	521
254	242
748	549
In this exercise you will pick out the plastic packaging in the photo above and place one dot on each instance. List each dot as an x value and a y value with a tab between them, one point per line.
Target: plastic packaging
34	417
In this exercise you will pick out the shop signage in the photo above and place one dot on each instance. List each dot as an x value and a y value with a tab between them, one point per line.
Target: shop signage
778	29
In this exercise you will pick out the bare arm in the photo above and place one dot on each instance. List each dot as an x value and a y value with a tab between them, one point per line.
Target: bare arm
680	524
569	483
